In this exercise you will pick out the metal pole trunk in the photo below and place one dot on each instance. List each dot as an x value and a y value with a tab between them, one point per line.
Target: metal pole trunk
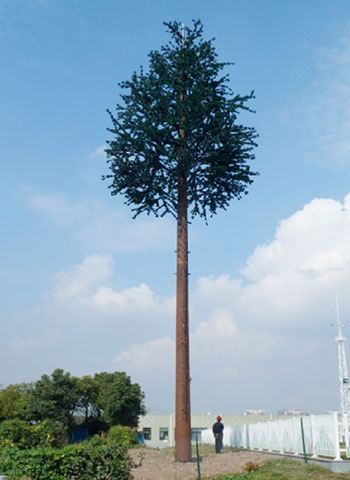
303	438
183	409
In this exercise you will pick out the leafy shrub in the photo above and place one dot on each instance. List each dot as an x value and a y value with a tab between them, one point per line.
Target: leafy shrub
17	433
36	463
47	434
104	462
75	462
121	435
97	441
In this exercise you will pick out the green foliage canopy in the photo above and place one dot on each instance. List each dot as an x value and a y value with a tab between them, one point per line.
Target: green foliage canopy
120	401
54	397
87	406
13	402
84	461
99	401
183	89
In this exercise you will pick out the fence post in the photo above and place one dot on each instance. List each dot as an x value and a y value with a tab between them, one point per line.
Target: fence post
259	434
268	437
346	433
336	437
280	435
312	431
295	436
303	438
198	458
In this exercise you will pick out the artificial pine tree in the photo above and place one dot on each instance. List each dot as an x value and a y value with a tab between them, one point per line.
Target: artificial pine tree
178	146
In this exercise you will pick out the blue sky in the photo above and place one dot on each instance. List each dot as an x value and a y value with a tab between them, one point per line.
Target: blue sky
86	288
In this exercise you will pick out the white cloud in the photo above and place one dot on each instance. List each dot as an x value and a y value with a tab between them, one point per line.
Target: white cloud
325	110
117	231
219	328
99	151
222	332
252	335
301	268
131	301
84	295
57	207
285	281
312	241
82	280
49	339
217	348
151	364
98	227
260	328
150	359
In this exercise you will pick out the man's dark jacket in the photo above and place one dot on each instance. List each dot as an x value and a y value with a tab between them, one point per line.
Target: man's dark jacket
218	427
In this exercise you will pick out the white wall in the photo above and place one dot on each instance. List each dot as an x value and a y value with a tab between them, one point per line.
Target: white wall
201	421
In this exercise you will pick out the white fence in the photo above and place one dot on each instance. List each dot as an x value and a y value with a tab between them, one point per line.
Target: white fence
321	436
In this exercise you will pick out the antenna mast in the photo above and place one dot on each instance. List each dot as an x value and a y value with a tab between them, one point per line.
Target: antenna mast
343	369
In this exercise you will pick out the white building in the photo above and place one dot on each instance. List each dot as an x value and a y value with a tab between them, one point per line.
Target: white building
291	413
158	430
254	412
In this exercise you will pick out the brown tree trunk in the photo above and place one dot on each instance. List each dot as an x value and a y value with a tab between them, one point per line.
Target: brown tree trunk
183	405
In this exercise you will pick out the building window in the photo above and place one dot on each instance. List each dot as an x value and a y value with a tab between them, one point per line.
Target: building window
147	433
163	433
197	433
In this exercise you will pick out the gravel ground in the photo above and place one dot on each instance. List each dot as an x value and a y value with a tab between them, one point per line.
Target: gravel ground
160	465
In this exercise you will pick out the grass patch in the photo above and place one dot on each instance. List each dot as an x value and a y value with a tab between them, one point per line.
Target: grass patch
286	470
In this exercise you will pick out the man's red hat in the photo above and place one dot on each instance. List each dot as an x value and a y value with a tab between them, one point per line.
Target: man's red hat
218	418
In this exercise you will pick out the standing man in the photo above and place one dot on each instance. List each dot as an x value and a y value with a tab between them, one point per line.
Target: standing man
218	432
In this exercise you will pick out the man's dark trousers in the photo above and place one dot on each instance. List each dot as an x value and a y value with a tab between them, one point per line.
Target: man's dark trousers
218	442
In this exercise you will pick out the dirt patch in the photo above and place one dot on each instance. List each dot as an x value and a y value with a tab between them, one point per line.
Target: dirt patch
160	465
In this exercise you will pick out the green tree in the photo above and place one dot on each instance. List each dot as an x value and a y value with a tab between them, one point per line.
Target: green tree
88	396
101	401
119	400
13	402
177	146
54	397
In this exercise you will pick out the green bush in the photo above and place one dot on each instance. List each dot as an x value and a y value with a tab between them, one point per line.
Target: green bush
47	434
121	435
97	441
39	463
75	462
17	433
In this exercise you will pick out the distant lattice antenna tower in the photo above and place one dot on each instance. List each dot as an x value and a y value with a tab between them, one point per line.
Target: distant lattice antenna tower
343	369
